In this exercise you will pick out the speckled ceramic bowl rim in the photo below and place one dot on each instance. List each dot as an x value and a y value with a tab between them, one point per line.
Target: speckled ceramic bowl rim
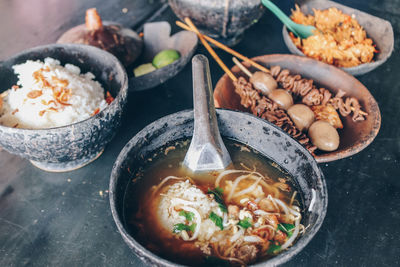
145	254
118	66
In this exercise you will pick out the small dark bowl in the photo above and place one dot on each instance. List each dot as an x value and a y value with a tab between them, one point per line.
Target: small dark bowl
354	137
379	30
75	36
225	21
245	128
156	37
73	146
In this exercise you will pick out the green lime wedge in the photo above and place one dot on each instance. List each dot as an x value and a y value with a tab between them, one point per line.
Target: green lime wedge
143	69
165	58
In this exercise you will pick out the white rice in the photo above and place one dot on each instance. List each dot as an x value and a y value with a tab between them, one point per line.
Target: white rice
85	99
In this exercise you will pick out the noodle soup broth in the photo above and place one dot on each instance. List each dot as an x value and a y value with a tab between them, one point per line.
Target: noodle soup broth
250	211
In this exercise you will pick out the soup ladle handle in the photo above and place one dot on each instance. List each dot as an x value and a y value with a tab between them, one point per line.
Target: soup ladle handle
207	151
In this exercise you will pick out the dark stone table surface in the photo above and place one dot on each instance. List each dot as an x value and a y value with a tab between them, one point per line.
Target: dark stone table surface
51	219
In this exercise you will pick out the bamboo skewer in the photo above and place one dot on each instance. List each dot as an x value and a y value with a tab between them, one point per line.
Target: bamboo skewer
225	48
241	67
210	50
248	73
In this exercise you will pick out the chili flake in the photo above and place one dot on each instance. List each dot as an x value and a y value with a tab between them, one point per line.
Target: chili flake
97	110
109	98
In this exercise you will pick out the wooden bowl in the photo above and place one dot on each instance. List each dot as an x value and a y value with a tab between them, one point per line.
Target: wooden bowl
157	38
354	136
379	30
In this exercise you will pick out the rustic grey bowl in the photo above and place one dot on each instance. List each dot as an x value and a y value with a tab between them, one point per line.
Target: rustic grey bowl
379	30
224	20
245	128
73	146
156	37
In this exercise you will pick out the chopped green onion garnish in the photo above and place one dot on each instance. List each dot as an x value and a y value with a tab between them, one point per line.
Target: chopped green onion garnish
245	223
217	220
274	248
218	196
187	214
286	228
180	227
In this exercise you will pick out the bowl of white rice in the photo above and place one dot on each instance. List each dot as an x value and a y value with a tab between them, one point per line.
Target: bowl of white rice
60	104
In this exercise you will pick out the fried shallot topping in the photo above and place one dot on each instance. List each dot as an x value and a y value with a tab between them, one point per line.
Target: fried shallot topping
34	93
60	93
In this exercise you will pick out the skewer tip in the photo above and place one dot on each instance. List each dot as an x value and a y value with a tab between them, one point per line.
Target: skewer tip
241	67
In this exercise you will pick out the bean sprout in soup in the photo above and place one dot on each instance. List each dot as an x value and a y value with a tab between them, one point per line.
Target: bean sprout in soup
234	217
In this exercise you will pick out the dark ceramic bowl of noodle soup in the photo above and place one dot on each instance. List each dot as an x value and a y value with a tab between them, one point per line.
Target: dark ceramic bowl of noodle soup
160	139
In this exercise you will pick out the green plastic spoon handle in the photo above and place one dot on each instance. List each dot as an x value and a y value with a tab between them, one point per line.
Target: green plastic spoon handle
282	16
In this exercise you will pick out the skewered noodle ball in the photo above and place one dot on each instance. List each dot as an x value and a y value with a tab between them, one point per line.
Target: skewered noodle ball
324	136
302	116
